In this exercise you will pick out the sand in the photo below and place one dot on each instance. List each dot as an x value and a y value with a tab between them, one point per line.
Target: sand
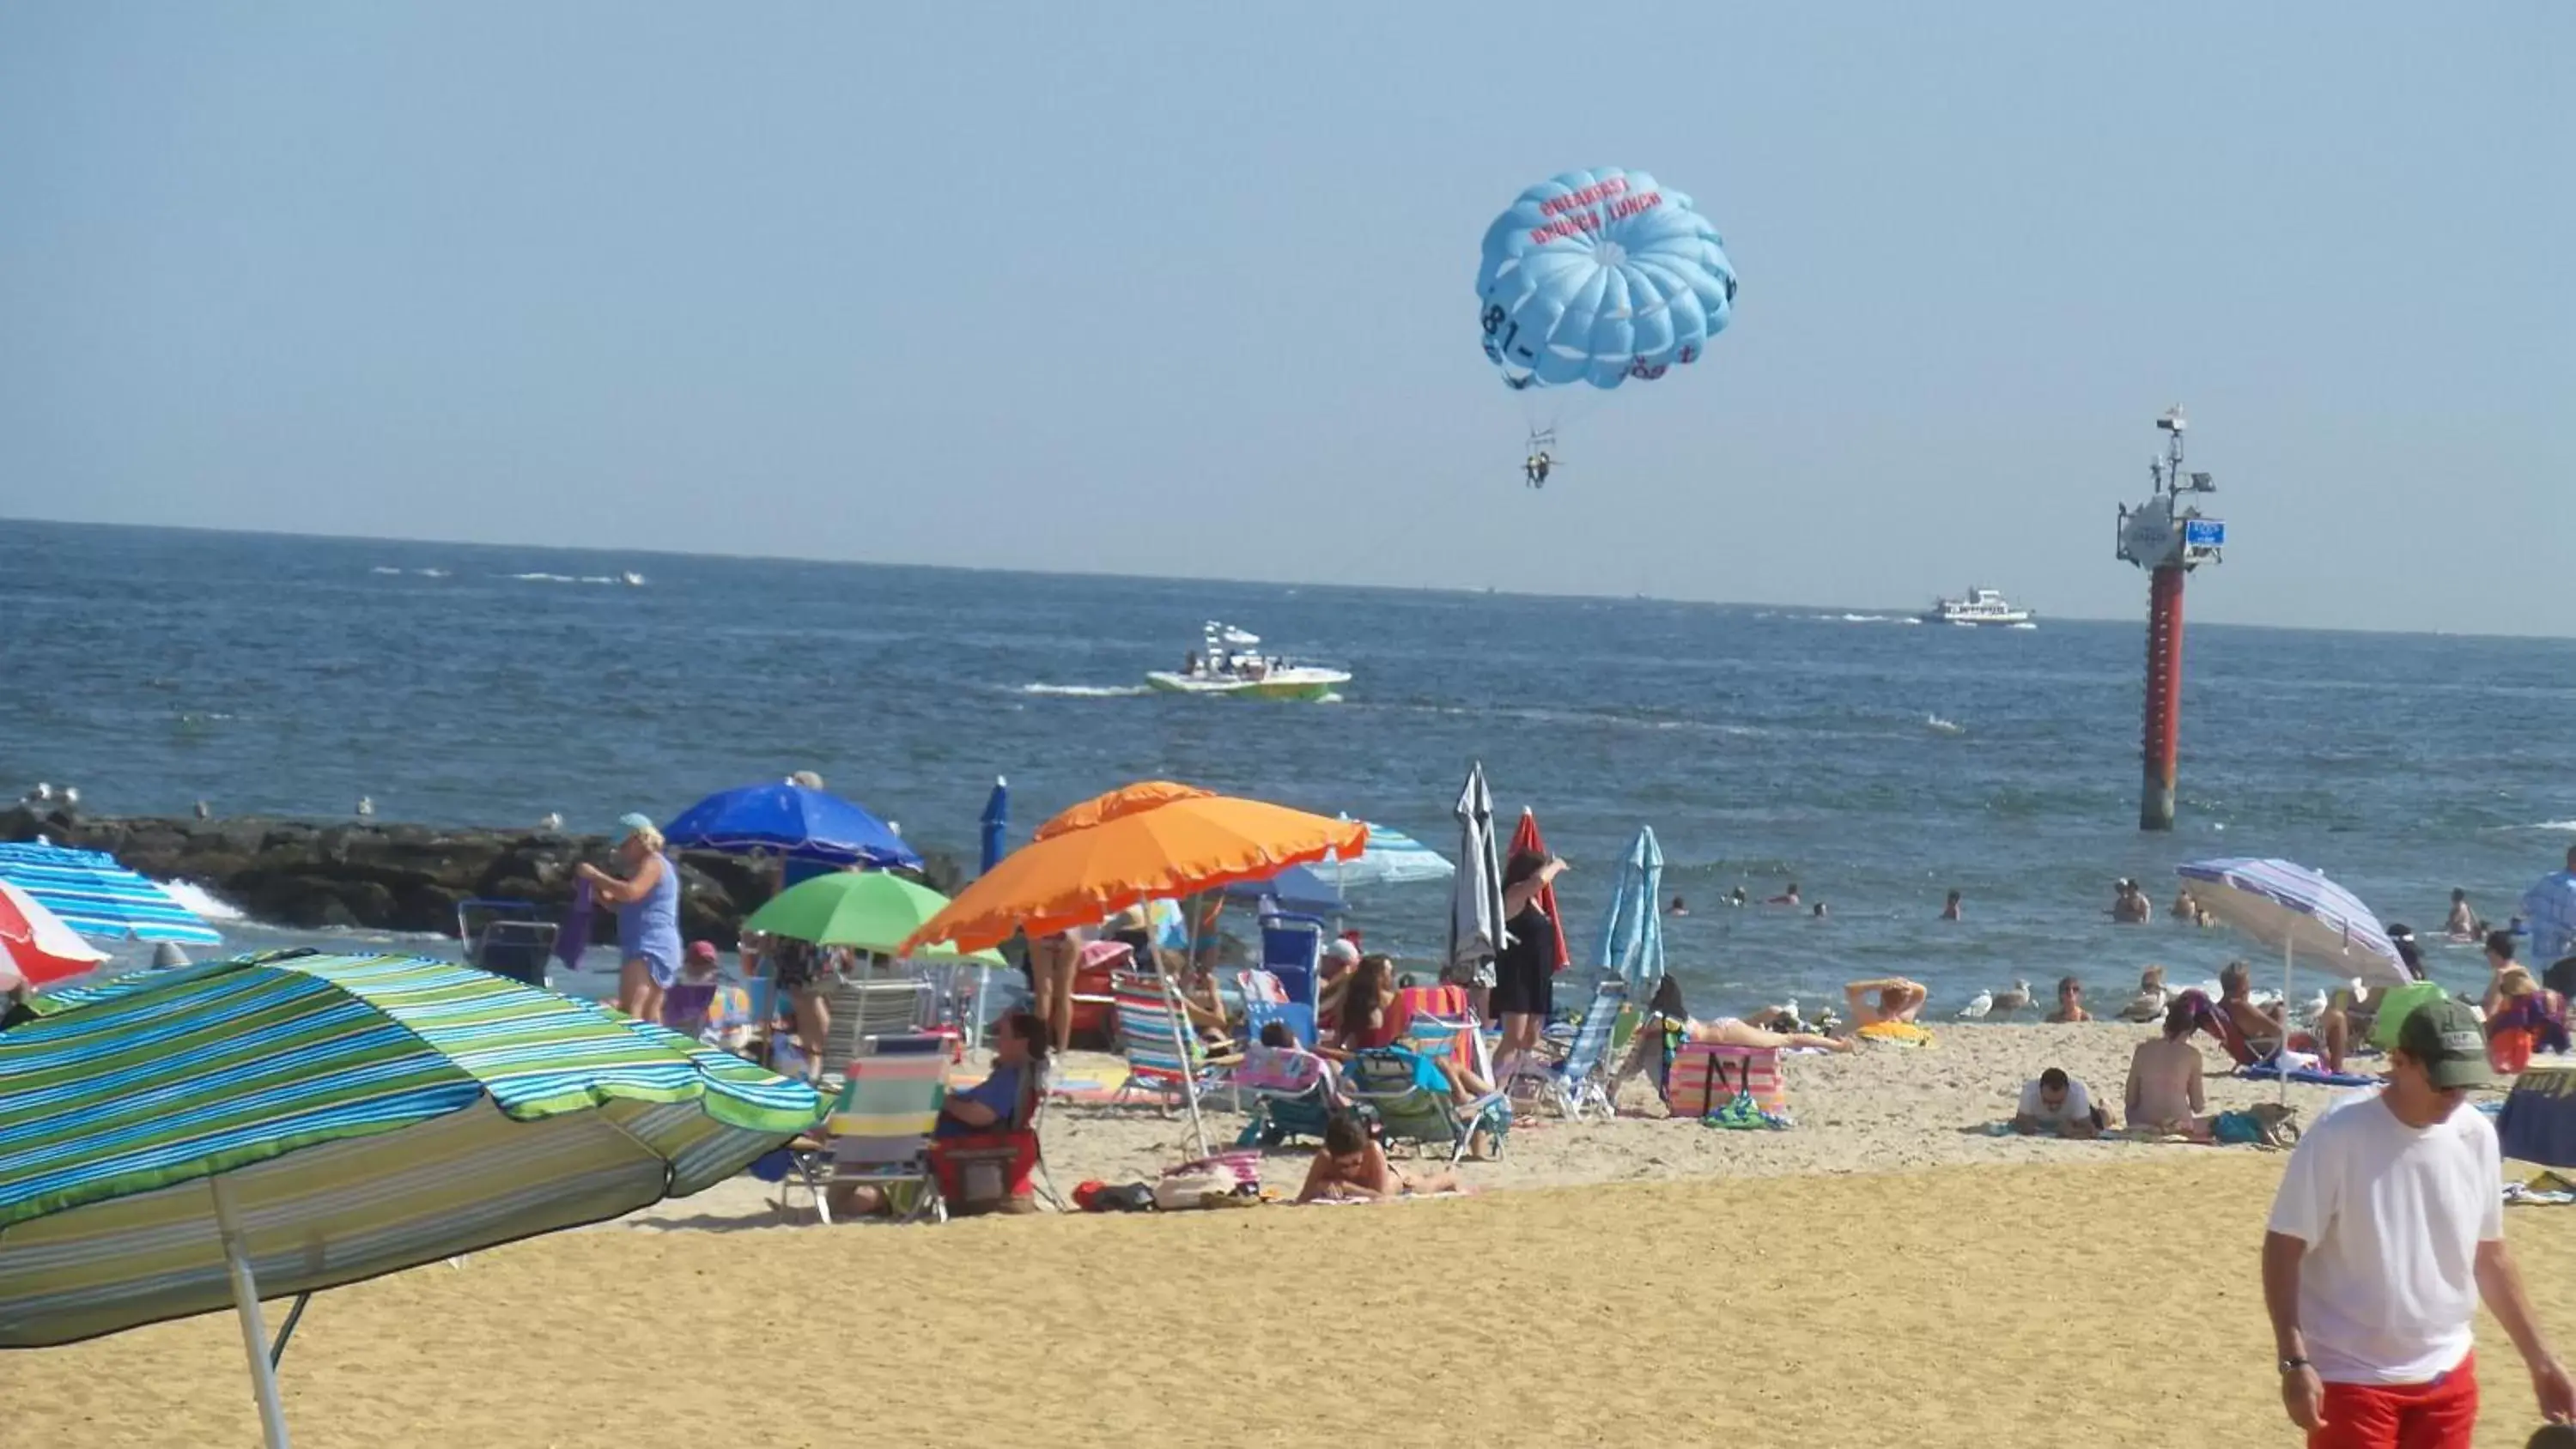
1829	1285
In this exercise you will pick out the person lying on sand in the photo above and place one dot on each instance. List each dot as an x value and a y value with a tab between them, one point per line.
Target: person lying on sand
2058	1106
2164	1093
1889	998
1350	1167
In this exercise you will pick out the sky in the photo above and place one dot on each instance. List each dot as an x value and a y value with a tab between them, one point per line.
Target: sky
1188	289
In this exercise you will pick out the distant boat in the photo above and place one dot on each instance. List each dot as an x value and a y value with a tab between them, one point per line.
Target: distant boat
1981	608
1229	662
631	580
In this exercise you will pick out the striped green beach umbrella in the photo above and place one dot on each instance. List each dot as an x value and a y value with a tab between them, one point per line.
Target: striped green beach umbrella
179	1142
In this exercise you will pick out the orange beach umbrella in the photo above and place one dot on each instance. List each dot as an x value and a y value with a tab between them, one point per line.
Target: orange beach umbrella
1147	842
1125	800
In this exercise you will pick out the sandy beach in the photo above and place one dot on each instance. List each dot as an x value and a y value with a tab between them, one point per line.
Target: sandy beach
1875	1276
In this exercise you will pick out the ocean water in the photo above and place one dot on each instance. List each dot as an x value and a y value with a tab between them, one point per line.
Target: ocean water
1875	762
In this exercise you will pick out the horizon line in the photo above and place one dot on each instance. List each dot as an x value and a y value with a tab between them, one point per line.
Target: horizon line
1467	590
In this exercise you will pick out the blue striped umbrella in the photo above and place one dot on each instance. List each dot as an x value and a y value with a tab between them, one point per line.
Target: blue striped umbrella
1392	857
1632	936
179	1142
2284	904
96	896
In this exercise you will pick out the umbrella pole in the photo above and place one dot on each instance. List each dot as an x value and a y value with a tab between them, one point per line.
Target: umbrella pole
2287	950
1182	1031
263	1372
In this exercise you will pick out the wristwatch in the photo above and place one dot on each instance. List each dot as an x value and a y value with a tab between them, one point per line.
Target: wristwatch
2292	1365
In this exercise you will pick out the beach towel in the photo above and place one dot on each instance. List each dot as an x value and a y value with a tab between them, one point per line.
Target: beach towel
1897	1033
2312	1076
574	937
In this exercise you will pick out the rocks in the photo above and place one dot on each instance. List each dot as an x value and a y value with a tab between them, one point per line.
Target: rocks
387	876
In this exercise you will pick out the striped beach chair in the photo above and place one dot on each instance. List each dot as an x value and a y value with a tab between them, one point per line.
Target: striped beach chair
1581	1080
862	1009
1293	1094
879	1130
1407	1094
1164	1054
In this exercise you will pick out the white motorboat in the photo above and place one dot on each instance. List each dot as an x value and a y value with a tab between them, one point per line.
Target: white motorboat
1981	608
1229	661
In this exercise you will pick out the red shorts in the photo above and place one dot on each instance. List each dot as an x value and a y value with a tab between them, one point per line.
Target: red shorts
2437	1415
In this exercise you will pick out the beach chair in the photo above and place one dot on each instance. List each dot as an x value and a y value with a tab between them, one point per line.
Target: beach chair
1293	1094
1581	1080
1298	1017
1410	1099
872	1007
1163	1050
1292	949
879	1130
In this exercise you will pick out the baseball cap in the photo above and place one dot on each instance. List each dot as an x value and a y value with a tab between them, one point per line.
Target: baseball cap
635	824
702	950
2445	1036
1342	951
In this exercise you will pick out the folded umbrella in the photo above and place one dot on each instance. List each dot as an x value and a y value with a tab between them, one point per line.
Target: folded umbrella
1525	837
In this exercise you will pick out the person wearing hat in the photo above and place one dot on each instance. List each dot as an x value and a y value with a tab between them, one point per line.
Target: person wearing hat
647	901
2386	1234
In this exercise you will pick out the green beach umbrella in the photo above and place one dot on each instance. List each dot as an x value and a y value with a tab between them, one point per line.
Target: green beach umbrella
866	909
180	1142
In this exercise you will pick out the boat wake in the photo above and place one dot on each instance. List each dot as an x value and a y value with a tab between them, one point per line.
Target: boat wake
572	579
1939	726
1087	691
1866	619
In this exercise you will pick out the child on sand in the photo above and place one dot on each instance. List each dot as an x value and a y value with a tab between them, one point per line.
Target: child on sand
1351	1168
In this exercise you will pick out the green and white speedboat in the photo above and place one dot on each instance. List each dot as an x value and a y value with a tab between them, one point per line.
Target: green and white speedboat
1230	662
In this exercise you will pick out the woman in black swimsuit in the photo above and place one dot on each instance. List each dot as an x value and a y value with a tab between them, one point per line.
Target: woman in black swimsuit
1525	971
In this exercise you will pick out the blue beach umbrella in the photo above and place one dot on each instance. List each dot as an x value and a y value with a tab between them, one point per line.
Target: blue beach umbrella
1305	890
1632	935
96	896
2281	903
997	824
1392	857
793	821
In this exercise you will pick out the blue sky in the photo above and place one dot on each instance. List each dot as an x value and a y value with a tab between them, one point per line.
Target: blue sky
1189	288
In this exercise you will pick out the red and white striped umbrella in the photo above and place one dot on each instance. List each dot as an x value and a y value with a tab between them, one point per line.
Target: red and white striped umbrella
36	948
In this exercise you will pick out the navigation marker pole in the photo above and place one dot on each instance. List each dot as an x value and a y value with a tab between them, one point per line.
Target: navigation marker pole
2168	539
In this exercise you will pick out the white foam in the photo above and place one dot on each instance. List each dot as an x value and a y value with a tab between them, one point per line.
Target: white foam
431	573
2550	825
1939	725
205	903
381	569
1087	691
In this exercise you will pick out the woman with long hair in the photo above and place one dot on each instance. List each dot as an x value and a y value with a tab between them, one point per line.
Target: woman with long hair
1524	970
647	901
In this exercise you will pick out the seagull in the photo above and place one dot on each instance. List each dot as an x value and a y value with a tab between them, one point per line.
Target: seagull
71	796
552	822
366	806
2147	1005
2014	1000
2317	1005
41	794
1978	1005
205	811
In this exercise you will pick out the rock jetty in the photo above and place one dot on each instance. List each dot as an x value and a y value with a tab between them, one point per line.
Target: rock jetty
382	875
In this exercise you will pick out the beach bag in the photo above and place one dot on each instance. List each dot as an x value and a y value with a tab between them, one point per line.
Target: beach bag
1219	1181
984	1171
1742	1112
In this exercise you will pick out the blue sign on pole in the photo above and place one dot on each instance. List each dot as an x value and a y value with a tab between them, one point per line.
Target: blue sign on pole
2204	533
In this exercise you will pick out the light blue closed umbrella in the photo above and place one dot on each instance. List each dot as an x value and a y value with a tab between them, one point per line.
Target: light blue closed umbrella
1632	935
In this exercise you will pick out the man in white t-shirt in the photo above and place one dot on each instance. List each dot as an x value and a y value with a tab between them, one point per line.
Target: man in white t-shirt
2056	1104
2387	1231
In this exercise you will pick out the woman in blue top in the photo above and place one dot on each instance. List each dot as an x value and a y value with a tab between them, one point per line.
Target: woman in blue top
647	900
